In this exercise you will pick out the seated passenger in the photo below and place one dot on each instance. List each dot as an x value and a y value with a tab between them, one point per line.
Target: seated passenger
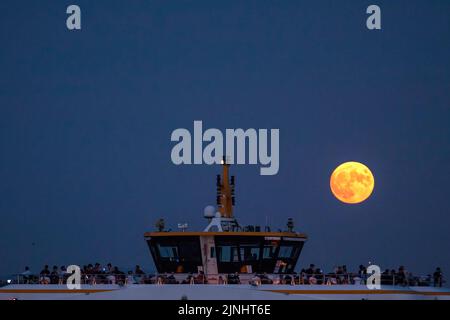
26	275
310	271
255	280
63	275
171	279
149	279
54	276
111	279
312	280
130	278
234	278
346	276
318	274
45	275
200	279
362	274
438	278
341	275
400	277
98	269
189	279
265	279
310	274
222	280
302	279
139	271
331	279
139	274
287	279
161	279
119	276
386	278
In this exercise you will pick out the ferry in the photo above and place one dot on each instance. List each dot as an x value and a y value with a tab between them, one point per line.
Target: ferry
225	261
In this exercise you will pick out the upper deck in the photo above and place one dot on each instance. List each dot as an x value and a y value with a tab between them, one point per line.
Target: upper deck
224	246
225	252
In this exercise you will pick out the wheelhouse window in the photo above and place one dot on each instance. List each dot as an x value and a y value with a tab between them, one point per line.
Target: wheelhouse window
170	252
269	252
285	252
287	256
250	252
263	255
176	254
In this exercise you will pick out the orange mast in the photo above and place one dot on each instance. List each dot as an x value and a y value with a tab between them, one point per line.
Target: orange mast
225	192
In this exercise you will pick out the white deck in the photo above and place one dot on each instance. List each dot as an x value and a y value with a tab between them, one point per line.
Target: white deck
222	292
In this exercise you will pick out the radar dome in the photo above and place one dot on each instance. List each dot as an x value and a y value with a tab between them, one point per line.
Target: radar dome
210	212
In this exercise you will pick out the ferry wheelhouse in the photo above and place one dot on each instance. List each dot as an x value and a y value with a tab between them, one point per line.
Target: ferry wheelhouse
225	247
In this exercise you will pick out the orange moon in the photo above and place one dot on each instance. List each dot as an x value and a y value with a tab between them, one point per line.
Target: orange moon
352	182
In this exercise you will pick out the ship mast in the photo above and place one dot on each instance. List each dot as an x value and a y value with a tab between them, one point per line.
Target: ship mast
225	191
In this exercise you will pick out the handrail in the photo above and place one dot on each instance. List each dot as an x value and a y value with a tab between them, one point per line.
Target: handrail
253	278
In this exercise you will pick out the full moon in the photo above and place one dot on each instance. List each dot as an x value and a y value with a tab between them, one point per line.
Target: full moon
352	182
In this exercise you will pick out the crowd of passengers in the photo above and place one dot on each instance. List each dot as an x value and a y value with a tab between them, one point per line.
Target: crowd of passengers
90	274
96	274
340	275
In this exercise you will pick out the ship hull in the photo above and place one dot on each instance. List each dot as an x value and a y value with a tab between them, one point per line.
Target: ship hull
222	292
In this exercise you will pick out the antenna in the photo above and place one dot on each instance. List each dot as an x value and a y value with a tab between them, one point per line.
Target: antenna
160	225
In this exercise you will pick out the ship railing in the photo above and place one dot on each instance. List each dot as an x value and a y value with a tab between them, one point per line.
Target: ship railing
356	278
86	279
225	279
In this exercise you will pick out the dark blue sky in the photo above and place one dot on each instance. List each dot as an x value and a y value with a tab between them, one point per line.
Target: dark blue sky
86	118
